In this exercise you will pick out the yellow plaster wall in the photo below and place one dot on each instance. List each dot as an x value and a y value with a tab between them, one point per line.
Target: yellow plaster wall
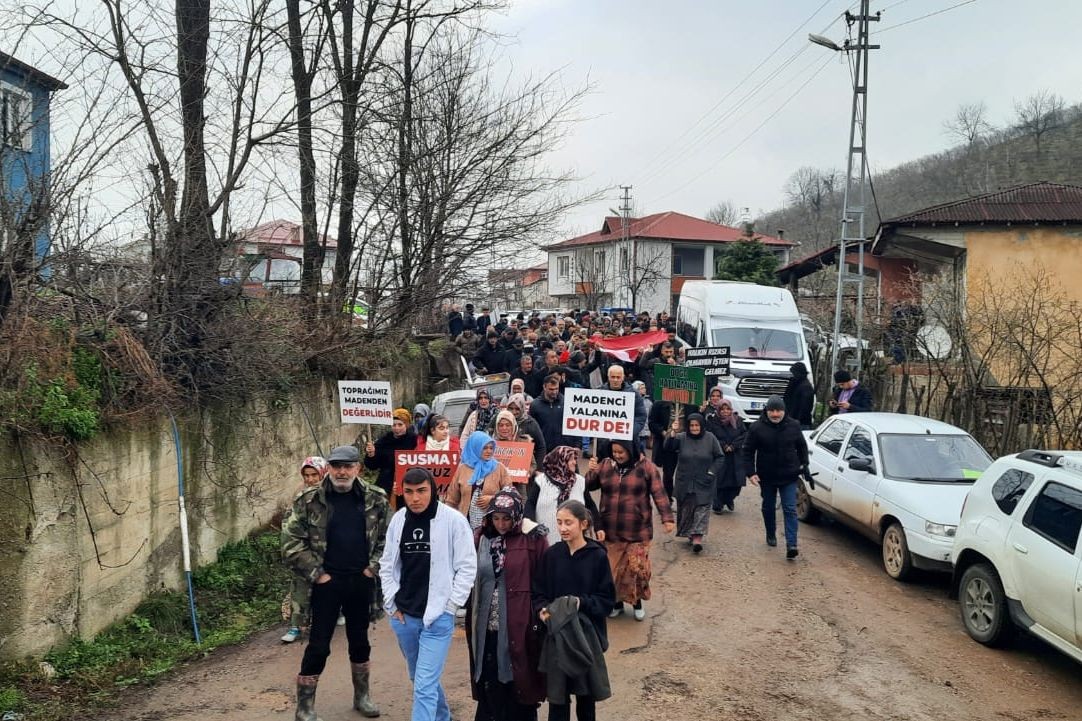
1000	254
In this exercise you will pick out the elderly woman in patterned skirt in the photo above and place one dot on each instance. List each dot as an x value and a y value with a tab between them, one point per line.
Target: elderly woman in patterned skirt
628	482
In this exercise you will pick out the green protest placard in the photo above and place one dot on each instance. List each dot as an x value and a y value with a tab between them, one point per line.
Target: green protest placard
679	384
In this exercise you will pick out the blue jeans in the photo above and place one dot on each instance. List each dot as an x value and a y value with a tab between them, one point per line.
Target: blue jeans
788	509
425	649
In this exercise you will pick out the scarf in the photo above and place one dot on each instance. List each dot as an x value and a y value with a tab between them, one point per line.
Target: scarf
702	425
316	462
556	466
506	501
471	457
431	444
632	457
484	415
509	416
733	420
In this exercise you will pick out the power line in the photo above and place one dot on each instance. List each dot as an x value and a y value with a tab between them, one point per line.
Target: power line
748	137
924	17
664	151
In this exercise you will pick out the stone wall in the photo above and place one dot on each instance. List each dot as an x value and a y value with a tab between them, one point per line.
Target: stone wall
86	534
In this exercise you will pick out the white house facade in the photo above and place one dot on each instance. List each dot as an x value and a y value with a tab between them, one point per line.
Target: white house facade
642	266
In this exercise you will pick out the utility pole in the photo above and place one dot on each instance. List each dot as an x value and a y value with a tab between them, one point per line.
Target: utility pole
625	215
856	173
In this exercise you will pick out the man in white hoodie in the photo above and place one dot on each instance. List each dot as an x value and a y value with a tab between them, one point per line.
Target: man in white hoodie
427	570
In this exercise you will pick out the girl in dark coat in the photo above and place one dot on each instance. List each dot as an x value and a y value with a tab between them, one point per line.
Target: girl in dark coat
502	629
728	428
576	567
379	456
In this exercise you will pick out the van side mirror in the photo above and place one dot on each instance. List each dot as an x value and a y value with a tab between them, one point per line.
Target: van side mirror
862	464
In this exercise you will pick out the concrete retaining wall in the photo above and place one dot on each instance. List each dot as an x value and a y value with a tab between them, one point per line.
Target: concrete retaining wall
86	535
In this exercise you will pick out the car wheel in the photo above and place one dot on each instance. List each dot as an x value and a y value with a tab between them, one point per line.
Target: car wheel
896	559
984	605
805	511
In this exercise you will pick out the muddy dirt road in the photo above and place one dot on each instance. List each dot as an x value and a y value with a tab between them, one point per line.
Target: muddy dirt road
737	633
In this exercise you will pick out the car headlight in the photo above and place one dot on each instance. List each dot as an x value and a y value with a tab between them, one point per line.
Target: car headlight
940	529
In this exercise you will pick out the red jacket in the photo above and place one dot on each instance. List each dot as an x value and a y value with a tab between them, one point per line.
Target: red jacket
625	502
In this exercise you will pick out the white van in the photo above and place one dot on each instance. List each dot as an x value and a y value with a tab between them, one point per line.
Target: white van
760	325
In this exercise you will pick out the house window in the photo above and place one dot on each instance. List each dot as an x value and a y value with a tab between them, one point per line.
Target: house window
15	106
563	267
623	260
599	261
677	264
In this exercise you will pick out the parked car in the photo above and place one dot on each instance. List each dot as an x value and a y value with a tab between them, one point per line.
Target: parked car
898	479
1017	561
455	406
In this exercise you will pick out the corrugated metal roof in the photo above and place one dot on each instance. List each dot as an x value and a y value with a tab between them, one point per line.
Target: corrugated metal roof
1040	202
665	226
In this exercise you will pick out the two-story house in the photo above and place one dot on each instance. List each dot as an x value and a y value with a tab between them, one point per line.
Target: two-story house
25	93
643	264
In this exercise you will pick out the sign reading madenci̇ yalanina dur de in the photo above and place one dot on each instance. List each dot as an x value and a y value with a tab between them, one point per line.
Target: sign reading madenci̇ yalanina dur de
599	413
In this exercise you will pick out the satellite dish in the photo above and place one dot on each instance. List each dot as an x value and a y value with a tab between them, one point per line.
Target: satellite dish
934	341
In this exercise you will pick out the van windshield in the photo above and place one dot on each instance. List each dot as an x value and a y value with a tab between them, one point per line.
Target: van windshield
759	343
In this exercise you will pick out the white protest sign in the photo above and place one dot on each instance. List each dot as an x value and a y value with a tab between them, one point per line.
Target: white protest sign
599	414
365	402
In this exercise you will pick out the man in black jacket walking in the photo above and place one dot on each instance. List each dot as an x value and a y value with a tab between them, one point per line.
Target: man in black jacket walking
775	454
548	411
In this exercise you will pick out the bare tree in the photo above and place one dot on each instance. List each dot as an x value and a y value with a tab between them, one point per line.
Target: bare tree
590	280
724	213
969	124
455	168
199	128
649	267
1039	114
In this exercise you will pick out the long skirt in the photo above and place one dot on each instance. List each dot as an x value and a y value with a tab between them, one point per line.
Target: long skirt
692	518
630	565
496	701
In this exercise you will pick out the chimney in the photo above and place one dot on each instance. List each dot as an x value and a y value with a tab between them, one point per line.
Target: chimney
781	233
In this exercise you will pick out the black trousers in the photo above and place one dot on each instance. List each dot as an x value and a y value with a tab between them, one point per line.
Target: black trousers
350	595
496	701
585	710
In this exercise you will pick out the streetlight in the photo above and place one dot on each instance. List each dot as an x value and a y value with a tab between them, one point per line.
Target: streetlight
824	41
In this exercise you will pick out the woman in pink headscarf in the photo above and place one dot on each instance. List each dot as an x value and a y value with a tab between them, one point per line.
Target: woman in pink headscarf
313	469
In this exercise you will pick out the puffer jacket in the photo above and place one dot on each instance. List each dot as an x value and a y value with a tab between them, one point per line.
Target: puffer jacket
775	452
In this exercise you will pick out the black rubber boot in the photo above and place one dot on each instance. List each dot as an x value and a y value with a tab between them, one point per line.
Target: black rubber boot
306	698
791	552
361	700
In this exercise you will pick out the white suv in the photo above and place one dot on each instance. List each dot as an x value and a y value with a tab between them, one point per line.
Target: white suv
1017	554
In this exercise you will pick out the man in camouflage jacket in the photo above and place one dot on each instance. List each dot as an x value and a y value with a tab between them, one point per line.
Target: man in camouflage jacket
334	539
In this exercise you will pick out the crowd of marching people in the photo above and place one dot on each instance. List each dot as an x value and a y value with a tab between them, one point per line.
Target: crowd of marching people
534	570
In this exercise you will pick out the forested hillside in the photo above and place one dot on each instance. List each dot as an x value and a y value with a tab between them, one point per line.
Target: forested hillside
1044	142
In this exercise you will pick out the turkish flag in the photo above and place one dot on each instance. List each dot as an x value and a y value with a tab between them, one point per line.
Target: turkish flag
627	347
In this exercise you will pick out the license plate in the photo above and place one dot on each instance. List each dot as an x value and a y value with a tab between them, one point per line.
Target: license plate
756	406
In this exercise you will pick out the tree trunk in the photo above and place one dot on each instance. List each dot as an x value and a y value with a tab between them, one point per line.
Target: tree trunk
312	261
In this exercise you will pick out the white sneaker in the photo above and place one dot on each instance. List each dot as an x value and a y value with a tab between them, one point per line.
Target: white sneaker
640	614
341	620
291	635
616	612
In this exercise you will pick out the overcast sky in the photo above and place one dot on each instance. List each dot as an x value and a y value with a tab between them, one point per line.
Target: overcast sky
657	68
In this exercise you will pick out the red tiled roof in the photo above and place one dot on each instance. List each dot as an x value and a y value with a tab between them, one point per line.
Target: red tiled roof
278	232
1041	202
665	226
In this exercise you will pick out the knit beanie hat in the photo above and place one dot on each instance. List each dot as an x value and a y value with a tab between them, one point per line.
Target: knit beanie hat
775	403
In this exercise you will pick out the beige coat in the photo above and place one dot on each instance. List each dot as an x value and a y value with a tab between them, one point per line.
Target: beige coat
459	493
